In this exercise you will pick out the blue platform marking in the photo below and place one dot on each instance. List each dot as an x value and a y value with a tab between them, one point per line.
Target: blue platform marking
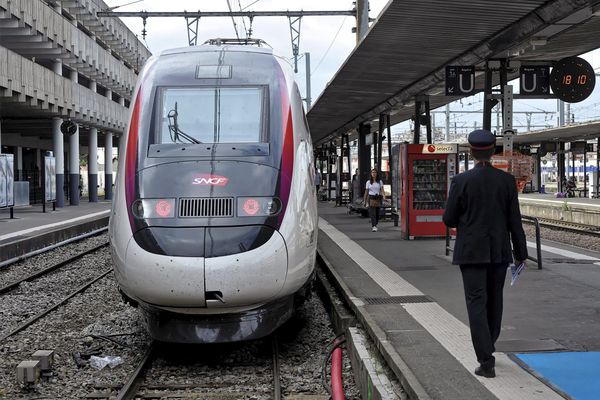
575	373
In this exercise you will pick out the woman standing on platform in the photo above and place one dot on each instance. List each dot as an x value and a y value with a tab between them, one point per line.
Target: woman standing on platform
374	196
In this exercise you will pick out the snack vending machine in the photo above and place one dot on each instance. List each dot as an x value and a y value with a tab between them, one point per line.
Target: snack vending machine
423	176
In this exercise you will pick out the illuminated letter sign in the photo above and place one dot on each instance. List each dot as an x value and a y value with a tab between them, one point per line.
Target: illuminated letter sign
460	80
210	180
572	79
535	80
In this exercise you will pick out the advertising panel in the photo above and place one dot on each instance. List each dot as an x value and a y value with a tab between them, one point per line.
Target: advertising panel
2	181
50	178
10	180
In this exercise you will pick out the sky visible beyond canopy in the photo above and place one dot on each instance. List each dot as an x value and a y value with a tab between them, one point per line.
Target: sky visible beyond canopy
330	41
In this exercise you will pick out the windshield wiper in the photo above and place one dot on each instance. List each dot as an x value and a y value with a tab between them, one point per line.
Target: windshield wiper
174	130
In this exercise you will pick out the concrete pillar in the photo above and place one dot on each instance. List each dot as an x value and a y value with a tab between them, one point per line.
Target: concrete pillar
93	165
109	93
19	164
58	147
74	168
93	86
74	76
122	101
108	166
57	67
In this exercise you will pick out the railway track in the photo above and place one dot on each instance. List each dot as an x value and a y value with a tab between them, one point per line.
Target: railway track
14	285
44	311
139	385
568	226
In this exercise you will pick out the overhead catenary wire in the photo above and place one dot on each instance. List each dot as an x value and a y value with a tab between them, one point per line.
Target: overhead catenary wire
243	20
329	48
237	35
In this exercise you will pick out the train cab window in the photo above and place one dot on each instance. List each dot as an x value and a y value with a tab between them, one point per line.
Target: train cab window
212	115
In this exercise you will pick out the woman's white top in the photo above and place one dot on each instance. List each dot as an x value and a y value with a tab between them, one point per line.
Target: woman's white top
374	188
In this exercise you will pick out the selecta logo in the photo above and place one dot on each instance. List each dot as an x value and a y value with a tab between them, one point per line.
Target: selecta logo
431	148
210	180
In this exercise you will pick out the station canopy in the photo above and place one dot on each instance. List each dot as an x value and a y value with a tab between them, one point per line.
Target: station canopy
405	52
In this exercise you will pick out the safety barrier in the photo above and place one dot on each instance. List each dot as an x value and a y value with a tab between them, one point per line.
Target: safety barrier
538	242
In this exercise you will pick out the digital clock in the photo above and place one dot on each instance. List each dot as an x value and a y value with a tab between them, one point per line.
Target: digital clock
572	79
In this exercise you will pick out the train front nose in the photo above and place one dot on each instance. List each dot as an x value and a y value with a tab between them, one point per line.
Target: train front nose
216	246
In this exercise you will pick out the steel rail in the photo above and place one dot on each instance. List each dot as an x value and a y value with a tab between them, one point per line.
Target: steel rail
51	268
41	314
276	370
131	387
574	227
51	247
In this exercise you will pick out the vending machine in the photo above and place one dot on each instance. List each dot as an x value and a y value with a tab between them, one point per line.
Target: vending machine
423	173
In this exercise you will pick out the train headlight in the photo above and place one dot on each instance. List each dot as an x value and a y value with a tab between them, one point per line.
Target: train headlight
258	206
153	208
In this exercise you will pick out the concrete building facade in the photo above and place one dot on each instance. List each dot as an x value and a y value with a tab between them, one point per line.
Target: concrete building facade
59	61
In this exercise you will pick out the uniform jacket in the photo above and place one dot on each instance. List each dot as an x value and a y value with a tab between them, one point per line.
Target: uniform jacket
484	207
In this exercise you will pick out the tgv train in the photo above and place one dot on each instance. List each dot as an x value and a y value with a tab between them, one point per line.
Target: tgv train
213	228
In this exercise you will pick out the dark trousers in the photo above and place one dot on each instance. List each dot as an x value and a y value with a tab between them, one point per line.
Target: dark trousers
374	214
484	284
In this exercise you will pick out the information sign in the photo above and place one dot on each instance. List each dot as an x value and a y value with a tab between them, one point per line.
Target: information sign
10	180
2	181
460	80
535	80
50	178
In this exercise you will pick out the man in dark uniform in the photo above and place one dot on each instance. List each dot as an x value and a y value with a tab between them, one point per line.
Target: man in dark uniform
483	206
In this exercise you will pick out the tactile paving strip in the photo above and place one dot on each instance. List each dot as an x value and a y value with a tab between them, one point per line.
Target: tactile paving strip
398	300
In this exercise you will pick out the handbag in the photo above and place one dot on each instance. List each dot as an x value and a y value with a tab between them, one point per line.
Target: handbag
374	200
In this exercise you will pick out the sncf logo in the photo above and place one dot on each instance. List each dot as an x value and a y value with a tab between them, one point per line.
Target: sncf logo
210	180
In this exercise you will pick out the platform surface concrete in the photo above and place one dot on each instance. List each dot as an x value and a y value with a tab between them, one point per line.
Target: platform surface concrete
32	231
553	309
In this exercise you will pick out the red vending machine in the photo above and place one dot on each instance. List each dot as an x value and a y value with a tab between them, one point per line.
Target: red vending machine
424	175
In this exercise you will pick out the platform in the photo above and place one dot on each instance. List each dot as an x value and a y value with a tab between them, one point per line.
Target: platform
31	229
578	210
410	298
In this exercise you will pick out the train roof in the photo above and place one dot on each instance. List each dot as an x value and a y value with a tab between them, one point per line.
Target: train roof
213	48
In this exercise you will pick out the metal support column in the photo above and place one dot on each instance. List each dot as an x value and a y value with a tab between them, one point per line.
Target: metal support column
417	133
349	159
308	94
488	104
338	174
108	176
93	165
74	168
428	119
59	153
389	145
364	155
295	24
507	118
597	167
382	118
538	172
362	19
585	185
560	154
329	171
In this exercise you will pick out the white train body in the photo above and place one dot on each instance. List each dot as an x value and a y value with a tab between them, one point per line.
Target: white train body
213	228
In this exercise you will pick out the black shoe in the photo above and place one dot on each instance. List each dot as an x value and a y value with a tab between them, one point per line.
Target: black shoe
486	373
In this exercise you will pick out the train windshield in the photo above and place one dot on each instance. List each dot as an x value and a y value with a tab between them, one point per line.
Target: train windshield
212	115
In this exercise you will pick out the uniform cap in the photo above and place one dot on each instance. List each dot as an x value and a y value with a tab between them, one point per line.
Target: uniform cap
482	139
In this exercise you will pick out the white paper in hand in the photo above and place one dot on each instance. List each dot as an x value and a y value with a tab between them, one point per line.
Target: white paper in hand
515	271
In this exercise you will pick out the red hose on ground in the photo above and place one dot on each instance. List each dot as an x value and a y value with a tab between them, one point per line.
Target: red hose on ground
337	386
